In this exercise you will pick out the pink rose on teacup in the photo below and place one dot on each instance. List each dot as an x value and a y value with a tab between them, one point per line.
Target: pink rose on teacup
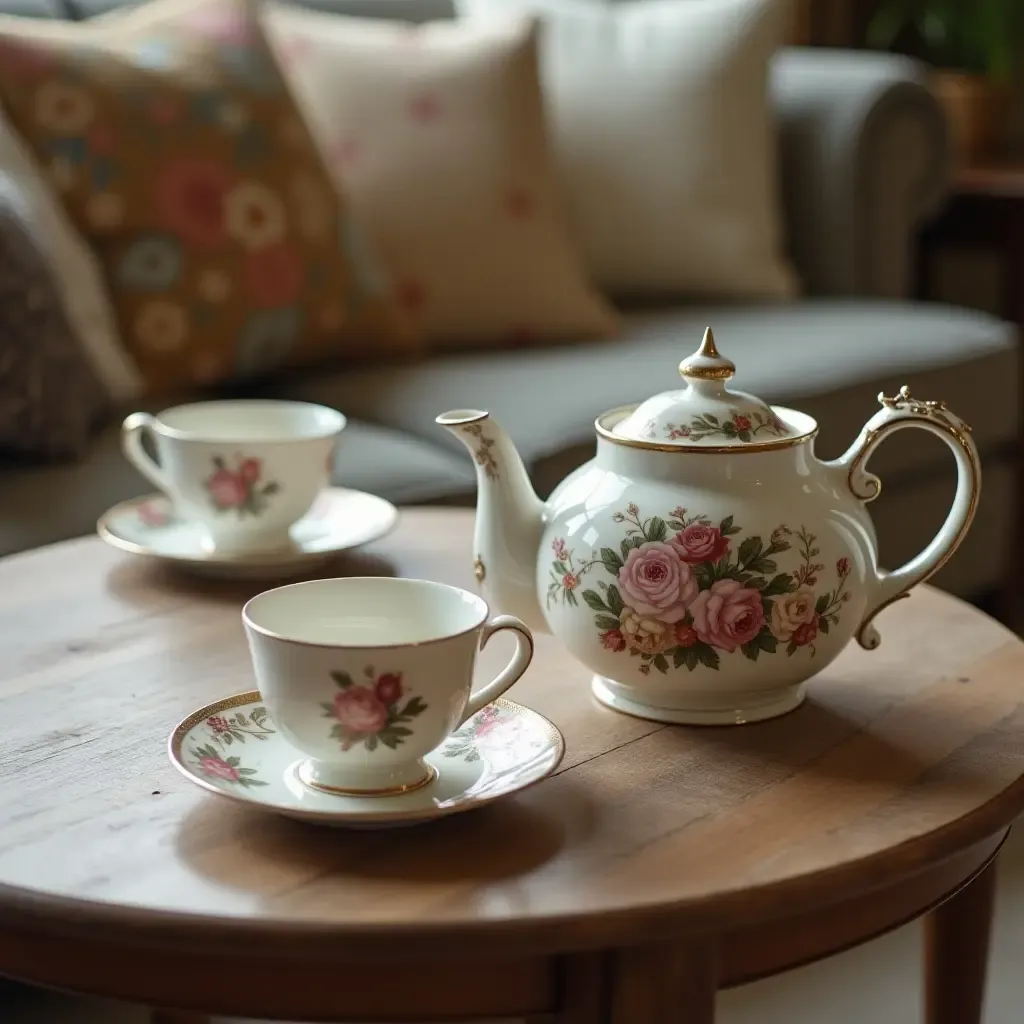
728	614
699	543
227	489
389	687
654	582
360	710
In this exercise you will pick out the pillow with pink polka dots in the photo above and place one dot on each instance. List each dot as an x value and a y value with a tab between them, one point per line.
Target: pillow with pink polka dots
178	152
436	135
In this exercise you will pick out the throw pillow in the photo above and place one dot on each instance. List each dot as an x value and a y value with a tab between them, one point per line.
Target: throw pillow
437	135
180	155
49	396
77	274
665	140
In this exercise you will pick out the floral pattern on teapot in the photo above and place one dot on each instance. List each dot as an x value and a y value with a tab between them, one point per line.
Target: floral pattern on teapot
684	594
738	426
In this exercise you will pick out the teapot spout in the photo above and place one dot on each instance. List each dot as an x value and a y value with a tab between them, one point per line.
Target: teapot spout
509	517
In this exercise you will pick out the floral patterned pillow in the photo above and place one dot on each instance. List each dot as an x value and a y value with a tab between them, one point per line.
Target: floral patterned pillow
178	152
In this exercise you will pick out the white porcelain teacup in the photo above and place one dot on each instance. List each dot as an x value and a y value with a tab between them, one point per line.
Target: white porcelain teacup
245	469
368	675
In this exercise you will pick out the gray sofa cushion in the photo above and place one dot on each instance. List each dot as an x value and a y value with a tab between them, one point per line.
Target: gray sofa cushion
46	504
829	359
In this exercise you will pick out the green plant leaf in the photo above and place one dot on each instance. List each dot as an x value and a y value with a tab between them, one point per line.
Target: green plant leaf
343	679
328	709
765	566
755	582
751	650
234	761
570	598
593	600
711	419
660	663
400	730
766	640
606	622
414	706
749	550
247	771
781	584
371	742
706	654
656	529
615	602
272	488
821	604
679	656
218	462
792	647
561	568
389	739
744	435
611	561
725	526
823	624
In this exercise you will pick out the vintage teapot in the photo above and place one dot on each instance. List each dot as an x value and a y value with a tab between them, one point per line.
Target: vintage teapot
704	564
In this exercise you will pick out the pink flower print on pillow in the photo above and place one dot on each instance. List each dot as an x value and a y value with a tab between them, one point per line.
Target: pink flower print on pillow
274	275
190	197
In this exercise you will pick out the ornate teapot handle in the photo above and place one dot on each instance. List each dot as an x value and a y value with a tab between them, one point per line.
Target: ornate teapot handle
895	414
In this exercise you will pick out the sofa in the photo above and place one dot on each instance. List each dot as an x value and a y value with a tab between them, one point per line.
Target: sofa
864	160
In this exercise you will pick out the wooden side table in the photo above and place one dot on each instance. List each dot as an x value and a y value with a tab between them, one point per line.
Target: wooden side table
660	864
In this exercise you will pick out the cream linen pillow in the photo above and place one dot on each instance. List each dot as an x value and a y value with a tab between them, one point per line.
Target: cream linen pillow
437	137
665	141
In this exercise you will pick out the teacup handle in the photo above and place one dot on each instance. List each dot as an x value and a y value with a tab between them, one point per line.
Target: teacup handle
131	444
515	668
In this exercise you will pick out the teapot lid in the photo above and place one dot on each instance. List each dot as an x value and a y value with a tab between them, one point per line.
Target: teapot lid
707	413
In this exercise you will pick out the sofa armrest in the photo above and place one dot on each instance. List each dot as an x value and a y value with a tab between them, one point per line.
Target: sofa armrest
865	157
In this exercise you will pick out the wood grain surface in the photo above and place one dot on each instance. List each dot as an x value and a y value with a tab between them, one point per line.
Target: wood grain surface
901	760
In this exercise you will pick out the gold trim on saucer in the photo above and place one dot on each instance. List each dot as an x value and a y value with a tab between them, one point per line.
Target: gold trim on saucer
303	770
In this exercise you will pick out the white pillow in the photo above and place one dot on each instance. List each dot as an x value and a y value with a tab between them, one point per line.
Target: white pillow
437	136
665	140
75	269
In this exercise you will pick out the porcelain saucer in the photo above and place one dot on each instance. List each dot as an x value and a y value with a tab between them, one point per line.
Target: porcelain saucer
340	519
232	748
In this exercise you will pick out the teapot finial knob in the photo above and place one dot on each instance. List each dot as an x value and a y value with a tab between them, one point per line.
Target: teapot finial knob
707	363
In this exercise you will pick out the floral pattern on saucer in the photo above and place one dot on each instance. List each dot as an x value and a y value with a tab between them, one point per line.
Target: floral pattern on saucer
228	770
501	750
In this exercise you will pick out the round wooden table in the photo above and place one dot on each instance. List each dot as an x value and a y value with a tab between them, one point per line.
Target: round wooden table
659	864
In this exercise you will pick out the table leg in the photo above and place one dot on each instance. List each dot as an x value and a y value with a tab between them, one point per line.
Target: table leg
663	983
956	952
